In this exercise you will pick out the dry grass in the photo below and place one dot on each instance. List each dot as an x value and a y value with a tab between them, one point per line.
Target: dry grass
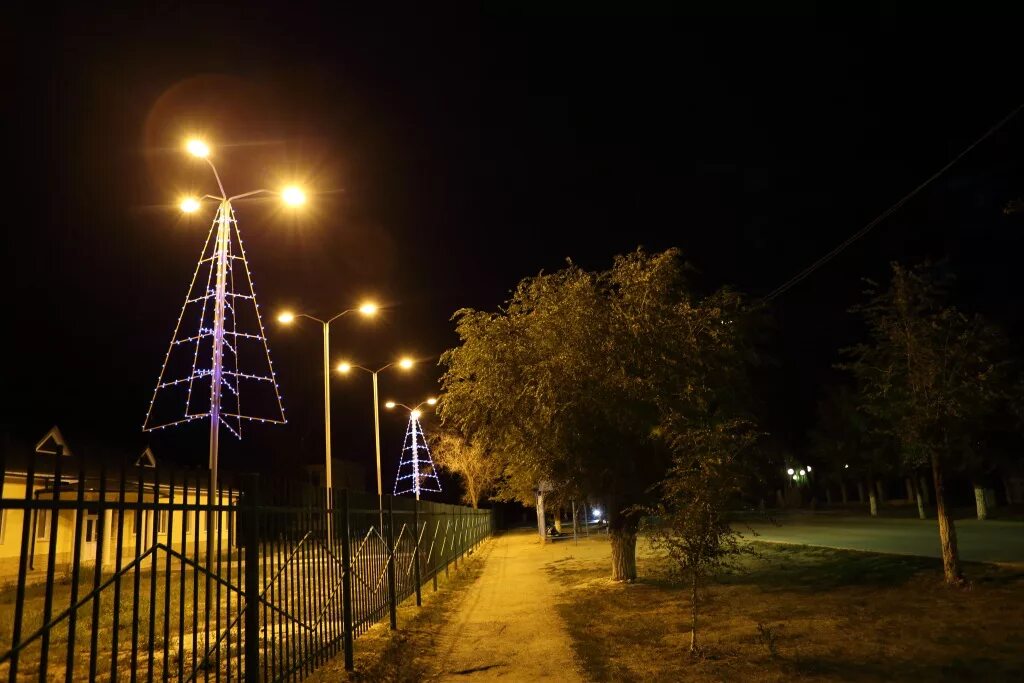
408	654
798	614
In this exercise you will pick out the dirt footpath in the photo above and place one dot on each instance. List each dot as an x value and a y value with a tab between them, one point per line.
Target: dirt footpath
506	627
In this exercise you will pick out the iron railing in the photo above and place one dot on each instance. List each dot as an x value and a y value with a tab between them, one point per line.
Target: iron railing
139	574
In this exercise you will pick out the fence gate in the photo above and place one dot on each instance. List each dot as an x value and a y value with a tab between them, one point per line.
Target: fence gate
140	574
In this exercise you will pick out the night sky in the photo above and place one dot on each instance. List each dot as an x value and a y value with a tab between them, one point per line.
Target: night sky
448	156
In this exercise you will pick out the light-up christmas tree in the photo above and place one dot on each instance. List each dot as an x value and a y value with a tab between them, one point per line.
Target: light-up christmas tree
416	468
218	353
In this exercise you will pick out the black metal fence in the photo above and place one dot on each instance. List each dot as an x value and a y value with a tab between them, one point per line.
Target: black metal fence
141	575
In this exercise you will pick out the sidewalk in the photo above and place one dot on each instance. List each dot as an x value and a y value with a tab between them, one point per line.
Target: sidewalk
506	627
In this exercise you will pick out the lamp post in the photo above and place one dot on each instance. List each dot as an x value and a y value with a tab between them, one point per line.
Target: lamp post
368	310
221	263
344	368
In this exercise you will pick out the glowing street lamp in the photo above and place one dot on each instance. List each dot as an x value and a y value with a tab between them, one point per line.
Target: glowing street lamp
218	291
368	310
344	368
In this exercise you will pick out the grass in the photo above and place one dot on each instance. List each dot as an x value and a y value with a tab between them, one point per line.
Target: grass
797	613
407	655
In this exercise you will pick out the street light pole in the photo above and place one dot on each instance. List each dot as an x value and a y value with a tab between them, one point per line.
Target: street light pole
223	228
414	414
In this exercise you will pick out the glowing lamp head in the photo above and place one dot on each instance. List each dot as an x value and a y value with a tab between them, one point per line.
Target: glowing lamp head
802	473
415	414
197	148
596	512
405	363
344	367
368	309
846	467
389	405
293	196
808	468
431	401
287	318
789	471
189	205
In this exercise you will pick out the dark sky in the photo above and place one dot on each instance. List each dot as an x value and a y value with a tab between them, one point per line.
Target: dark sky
449	155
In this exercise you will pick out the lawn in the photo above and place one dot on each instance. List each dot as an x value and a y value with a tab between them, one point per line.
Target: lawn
796	613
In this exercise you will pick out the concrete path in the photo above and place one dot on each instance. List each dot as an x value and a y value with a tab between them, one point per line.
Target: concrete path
988	541
506	628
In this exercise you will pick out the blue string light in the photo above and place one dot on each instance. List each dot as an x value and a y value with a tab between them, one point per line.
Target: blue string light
416	468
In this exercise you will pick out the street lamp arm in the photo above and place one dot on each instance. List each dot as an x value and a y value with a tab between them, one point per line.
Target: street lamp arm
250	194
311	317
217	176
346	311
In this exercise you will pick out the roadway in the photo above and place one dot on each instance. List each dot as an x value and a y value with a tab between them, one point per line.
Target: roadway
988	541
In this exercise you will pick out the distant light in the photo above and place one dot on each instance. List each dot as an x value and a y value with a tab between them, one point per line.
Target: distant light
293	196
405	363
389	404
796	477
846	467
287	317
802	473
596	513
789	471
189	204
415	414
368	308
808	468
197	148
344	367
431	401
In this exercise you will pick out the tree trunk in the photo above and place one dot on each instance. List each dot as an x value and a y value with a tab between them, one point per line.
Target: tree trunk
860	492
924	490
979	501
947	530
558	519
842	491
623	551
575	521
920	503
881	490
540	517
873	500
910	489
693	614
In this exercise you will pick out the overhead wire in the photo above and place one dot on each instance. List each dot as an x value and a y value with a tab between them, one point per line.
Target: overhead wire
796	279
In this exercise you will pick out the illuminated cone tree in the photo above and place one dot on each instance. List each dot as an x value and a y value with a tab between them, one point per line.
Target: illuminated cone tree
416	471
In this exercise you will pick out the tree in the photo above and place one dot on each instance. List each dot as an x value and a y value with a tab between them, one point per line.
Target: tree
572	381
478	469
929	374
690	524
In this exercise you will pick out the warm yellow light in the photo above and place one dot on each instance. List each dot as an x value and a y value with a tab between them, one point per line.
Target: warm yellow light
416	414
405	363
287	317
431	401
189	204
369	308
344	367
293	196
389	404
197	148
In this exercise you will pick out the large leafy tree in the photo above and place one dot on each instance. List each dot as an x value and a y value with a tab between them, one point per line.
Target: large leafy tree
930	374
572	381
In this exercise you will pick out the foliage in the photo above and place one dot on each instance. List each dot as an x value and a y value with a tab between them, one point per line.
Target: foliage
478	469
573	380
690	523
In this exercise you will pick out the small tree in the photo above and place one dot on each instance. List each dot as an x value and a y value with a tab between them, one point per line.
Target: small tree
690	524
929	374
478	469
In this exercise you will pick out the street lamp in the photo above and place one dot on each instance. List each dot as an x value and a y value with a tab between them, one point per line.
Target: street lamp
368	310
429	402
220	292
344	368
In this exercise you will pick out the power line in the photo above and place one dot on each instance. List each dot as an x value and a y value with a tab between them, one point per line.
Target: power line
796	279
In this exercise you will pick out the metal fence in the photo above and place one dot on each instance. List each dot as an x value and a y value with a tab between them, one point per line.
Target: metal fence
141	575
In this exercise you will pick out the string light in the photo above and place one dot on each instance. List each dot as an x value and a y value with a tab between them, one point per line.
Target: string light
416	471
239	301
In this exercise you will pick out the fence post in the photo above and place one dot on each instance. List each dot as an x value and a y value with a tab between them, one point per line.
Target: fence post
416	549
252	579
392	599
346	581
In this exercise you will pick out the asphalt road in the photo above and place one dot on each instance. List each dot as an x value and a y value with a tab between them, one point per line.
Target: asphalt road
988	541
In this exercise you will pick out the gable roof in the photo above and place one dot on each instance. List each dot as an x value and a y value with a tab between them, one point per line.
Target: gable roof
147	459
51	441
